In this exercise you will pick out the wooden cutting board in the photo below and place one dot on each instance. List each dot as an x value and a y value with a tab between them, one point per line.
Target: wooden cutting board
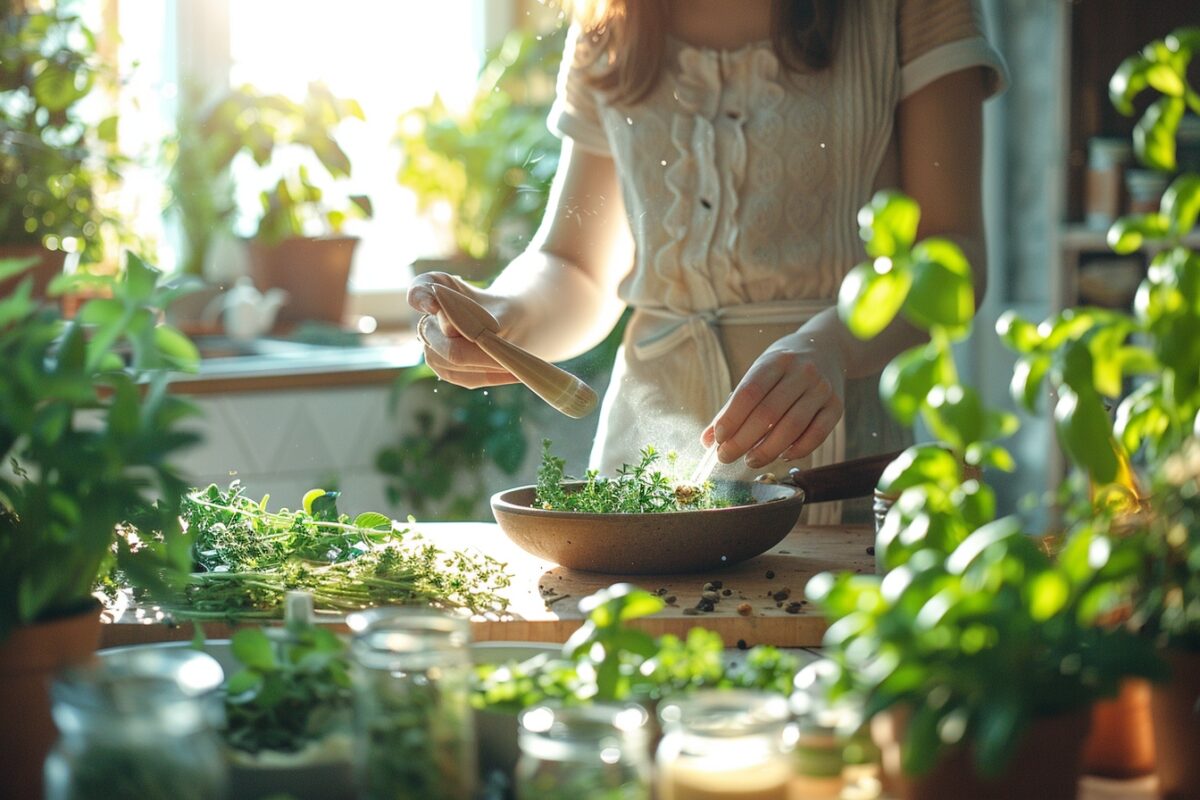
544	597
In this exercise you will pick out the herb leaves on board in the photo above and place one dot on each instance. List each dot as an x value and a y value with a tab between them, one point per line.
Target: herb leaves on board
247	558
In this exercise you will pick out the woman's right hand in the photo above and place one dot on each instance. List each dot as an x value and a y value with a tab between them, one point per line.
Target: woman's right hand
451	355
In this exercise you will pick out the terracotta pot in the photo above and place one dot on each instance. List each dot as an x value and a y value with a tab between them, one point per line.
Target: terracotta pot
1175	709
1045	765
313	271
29	657
49	265
1121	743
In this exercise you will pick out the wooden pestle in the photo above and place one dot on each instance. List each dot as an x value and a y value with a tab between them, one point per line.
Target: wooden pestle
556	386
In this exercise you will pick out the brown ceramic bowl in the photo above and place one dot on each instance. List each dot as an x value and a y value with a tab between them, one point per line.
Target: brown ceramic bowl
660	543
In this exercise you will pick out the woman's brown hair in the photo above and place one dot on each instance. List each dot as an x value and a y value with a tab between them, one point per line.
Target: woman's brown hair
633	33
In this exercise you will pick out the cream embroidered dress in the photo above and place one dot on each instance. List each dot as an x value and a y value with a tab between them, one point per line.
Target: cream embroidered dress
742	181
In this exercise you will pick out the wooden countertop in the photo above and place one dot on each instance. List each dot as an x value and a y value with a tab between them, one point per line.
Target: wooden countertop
544	598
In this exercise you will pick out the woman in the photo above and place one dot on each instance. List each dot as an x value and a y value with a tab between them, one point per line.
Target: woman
715	153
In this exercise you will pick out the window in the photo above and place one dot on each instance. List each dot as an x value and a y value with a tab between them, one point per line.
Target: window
387	56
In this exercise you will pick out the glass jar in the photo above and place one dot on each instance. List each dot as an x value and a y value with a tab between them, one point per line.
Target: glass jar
1102	181
414	730
834	756
138	723
725	745
597	752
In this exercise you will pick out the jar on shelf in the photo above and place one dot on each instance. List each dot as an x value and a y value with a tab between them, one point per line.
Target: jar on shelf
1145	188
725	745
596	752
138	723
1103	181
414	730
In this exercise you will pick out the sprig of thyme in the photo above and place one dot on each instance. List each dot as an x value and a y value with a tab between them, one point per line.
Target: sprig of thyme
636	489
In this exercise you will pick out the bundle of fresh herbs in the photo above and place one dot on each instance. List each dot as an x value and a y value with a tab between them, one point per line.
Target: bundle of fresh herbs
247	558
289	693
636	489
607	660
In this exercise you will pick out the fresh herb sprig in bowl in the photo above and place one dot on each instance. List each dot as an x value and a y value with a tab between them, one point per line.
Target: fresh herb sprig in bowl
636	489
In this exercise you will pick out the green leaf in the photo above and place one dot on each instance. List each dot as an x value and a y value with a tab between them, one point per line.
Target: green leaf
997	731
58	86
907	379
919	465
1154	134
1127	83
940	297
1181	203
1048	593
1019	334
102	311
1086	433
243	682
373	521
10	267
176	349
870	296
107	129
888	223
1128	233
943	252
1026	384
956	415
140	278
253	649
1165	79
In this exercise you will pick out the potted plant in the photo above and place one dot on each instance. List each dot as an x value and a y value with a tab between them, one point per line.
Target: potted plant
965	591
979	670
51	169
1093	357
87	440
491	166
299	243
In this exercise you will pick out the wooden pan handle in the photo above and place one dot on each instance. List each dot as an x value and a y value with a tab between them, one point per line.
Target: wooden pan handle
855	478
559	388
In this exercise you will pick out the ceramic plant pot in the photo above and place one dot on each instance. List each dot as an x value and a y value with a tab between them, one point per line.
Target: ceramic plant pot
1046	764
1175	707
1121	743
29	658
313	271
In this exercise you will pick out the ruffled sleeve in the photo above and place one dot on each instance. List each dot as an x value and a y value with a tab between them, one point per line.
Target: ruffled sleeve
939	37
575	111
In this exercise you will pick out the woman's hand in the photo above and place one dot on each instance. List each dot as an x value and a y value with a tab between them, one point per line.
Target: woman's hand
448	353
786	405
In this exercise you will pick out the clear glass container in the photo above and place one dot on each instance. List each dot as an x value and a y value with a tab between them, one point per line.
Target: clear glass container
138	723
597	752
414	729
833	755
725	745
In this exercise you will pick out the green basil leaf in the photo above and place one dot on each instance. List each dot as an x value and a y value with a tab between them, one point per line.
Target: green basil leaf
869	298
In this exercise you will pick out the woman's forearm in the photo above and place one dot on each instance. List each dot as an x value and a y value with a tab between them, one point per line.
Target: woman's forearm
553	308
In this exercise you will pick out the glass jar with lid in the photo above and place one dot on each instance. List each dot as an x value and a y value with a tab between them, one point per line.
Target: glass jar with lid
141	723
725	745
595	752
414	729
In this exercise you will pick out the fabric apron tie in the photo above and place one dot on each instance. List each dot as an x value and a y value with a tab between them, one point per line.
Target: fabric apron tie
701	328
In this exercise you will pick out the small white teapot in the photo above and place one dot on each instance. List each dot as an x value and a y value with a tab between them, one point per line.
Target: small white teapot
246	312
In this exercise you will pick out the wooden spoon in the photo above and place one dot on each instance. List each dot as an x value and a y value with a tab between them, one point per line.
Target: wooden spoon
556	386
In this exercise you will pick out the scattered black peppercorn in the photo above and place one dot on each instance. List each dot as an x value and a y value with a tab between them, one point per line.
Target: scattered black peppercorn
871	550
793	608
670	599
741	644
770	574
726	592
782	594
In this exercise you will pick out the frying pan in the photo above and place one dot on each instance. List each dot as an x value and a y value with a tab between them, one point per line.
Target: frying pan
676	542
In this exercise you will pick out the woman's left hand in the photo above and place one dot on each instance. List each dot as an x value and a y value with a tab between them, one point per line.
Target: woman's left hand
787	404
